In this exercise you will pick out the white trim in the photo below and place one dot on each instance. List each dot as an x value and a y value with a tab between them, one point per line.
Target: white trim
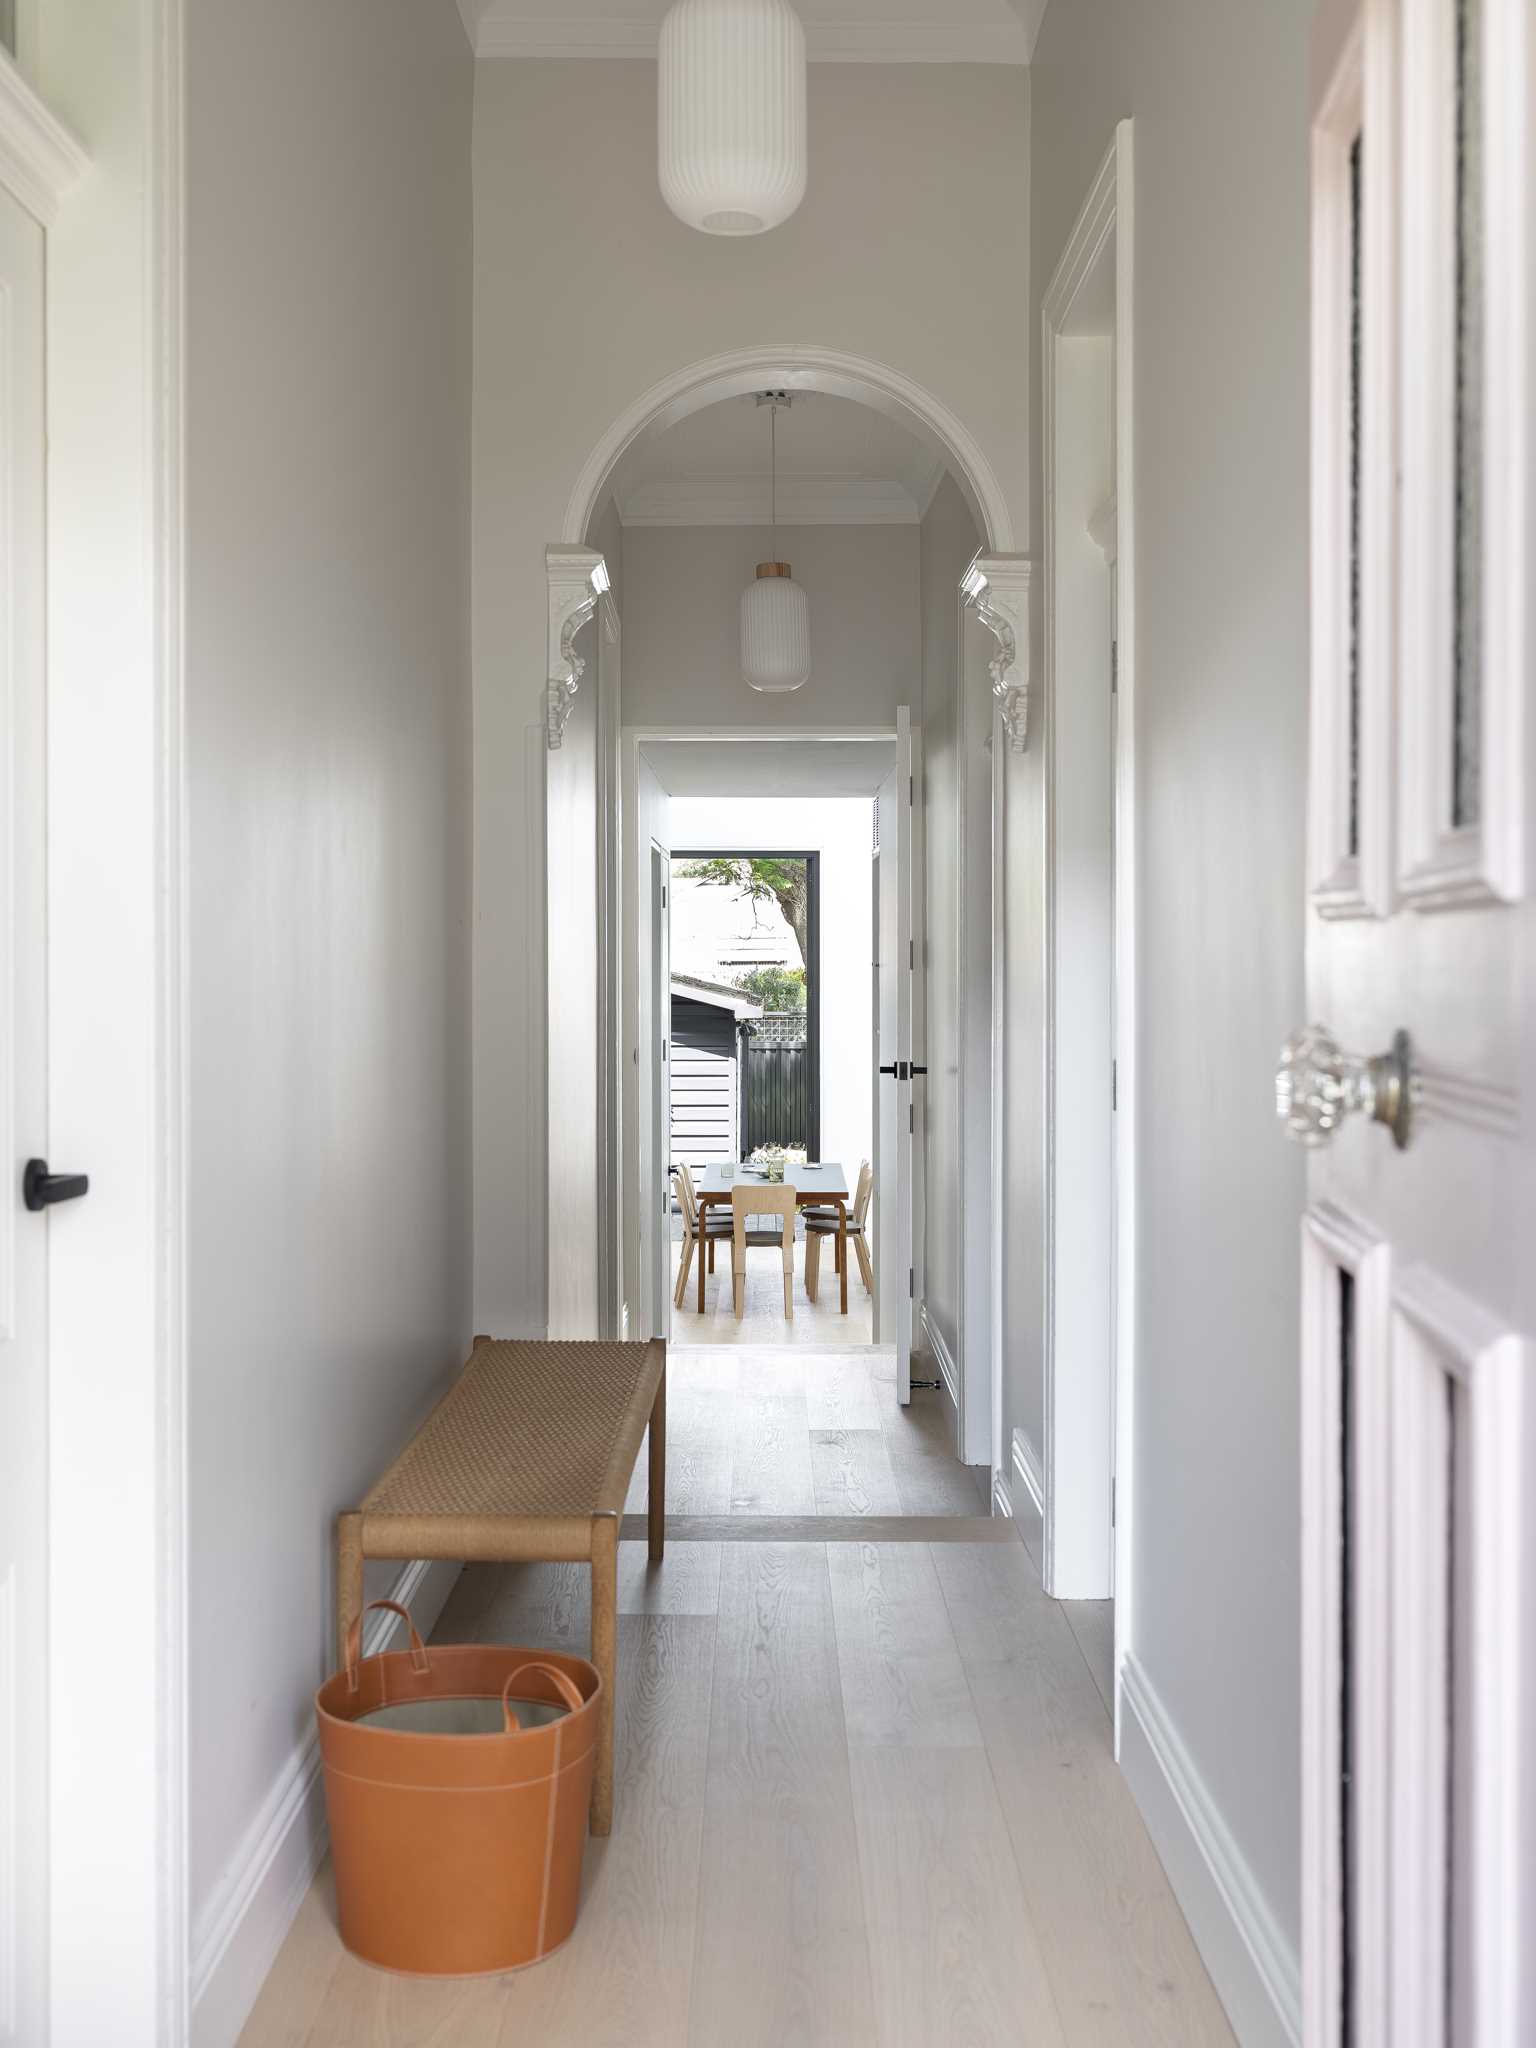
1252	1965
40	160
997	589
1360	102
1440	1341
1442	864
826	42
1027	1464
949	1372
1096	1557
795	366
1002	1499
246	1916
745	501
1332	1243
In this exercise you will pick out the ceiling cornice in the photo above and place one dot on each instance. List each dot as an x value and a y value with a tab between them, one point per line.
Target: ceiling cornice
852	42
744	501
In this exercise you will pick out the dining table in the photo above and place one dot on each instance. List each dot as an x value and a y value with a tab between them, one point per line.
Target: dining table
822	1182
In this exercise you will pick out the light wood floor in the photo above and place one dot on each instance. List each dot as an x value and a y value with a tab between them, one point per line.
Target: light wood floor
764	1320
865	1796
762	1431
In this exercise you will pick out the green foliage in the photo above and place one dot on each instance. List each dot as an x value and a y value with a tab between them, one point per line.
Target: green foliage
760	879
776	988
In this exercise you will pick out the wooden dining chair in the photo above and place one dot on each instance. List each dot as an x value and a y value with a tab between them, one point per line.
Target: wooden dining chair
716	1227
820	1223
762	1200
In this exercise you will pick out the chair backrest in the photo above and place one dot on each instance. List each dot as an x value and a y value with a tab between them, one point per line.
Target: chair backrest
688	1198
755	1198
862	1192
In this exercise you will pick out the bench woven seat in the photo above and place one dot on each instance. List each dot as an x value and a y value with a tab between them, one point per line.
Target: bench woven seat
527	1457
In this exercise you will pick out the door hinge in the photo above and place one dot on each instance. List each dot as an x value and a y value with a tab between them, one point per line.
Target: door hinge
1112	1502
911	1120
1114	667
911	956
911	792
663	895
1114	1084
911	1284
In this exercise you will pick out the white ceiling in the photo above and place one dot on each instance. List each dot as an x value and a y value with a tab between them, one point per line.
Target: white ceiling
783	768
840	464
837	31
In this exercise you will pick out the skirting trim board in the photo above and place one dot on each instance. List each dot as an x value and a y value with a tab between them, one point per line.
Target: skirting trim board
1256	1972
934	1343
242	1926
1027	1464
1002	1499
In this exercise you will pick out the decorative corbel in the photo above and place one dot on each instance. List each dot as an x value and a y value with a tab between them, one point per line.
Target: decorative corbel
578	583
996	589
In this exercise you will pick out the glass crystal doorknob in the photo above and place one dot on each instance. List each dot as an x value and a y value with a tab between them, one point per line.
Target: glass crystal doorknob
1318	1084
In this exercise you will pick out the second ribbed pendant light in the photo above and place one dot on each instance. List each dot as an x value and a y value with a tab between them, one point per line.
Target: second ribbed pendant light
775	611
730	114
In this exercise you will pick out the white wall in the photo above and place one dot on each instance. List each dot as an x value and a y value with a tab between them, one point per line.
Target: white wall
682	625
1218	90
327	478
841	830
587	293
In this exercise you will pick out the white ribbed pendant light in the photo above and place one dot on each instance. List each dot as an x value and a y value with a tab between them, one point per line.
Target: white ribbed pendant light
731	114
775	611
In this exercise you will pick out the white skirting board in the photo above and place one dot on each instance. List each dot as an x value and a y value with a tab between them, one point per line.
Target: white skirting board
931	1341
1026	1463
1256	1971
241	1927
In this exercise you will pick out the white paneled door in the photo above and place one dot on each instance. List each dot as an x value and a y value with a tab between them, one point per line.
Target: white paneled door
893	1075
23	1099
1416	1083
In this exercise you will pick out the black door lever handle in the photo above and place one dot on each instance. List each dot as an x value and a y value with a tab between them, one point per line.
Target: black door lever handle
919	1070
40	1189
890	1069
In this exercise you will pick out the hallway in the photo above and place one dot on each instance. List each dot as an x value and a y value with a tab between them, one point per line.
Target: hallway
866	1795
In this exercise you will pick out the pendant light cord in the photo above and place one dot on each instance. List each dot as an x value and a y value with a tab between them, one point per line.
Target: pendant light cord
773	473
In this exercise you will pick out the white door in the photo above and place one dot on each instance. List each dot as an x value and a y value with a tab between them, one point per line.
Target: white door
893	1109
661	1090
1419	1249
23	1109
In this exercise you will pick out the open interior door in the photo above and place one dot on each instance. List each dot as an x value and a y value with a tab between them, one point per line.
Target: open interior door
1413	1077
893	1117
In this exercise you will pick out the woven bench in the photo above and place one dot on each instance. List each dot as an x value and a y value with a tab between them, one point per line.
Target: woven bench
527	1458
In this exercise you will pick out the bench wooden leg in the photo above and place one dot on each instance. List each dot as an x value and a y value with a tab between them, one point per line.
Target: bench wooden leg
349	1578
656	1490
605	1642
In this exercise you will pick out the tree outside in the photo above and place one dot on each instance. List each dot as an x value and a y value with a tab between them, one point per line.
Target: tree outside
776	988
759	879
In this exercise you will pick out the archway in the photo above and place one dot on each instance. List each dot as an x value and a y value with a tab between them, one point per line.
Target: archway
796	367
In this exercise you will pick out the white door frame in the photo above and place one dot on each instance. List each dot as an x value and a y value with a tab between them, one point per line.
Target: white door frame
636	850
1071	1463
118	1880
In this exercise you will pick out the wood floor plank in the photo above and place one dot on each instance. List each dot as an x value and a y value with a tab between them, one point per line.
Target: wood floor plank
368	2008
826	1529
841	1393
1121	1960
954	1956
903	1683
300	1979
625	1975
771	1455
851	1472
782	1955
687	1581
929	1477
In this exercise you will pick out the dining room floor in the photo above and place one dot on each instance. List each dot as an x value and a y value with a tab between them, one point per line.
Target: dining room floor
764	1320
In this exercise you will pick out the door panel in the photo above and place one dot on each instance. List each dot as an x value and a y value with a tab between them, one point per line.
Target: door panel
23	1098
1419	1602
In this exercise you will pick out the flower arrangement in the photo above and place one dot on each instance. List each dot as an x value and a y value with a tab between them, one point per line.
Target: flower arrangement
772	1159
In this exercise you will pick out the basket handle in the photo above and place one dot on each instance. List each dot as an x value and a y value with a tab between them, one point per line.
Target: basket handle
564	1684
355	1640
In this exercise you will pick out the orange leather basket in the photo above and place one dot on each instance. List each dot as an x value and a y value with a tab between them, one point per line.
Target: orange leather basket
457	1781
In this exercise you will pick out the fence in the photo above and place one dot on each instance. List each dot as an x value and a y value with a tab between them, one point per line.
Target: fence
776	1081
